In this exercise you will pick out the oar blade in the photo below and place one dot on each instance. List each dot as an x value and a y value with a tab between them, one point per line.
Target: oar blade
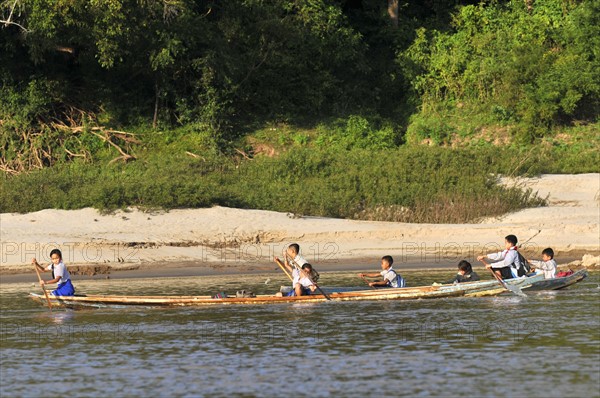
515	289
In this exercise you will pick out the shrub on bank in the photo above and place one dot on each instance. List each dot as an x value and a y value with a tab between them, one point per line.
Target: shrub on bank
412	184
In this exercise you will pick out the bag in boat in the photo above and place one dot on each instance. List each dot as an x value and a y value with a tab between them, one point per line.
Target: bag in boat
285	289
220	295
244	294
524	267
562	274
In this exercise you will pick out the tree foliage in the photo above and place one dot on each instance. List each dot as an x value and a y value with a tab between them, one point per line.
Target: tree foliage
218	69
535	67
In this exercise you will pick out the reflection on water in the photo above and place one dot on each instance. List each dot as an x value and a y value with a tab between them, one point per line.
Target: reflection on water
545	345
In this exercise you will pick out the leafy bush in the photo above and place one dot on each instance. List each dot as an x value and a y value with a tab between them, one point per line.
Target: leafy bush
448	185
357	132
534	67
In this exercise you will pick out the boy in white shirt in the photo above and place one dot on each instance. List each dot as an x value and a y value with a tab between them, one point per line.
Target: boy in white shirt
303	274
390	277
507	262
547	265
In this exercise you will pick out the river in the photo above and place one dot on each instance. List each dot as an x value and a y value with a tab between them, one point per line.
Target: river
545	345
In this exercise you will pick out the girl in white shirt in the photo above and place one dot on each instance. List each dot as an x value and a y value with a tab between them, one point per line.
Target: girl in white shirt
60	274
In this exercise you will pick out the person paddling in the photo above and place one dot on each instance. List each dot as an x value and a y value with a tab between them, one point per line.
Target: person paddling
508	263
390	277
60	274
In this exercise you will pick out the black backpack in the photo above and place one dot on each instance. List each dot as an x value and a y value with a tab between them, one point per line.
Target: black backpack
524	267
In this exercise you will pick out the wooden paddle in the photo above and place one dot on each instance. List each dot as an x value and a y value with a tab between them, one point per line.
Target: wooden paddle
367	282
37	271
304	274
527	241
514	289
278	261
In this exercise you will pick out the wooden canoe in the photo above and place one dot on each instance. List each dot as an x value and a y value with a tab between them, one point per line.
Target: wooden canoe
558	283
482	288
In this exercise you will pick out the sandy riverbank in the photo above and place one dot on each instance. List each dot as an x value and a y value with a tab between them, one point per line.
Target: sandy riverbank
234	240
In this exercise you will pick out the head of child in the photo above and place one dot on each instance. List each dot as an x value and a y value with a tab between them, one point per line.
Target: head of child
464	267
293	250
386	262
510	241
547	254
55	256
307	267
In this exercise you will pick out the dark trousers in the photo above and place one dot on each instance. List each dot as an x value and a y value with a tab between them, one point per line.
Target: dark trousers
504	272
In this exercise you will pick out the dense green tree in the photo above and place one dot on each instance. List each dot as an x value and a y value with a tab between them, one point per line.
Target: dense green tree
533	65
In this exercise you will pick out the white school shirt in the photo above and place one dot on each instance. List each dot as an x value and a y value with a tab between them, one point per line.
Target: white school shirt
303	280
299	260
506	258
60	270
549	267
392	278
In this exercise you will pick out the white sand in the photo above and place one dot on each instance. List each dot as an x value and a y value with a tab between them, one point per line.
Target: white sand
570	224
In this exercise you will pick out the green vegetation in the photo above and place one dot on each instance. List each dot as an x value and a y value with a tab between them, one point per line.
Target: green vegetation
316	107
415	184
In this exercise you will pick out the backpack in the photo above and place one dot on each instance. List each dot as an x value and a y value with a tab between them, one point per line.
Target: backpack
524	267
314	275
562	274
244	294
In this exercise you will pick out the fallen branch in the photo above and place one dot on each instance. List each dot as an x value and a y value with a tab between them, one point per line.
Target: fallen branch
244	154
124	155
77	155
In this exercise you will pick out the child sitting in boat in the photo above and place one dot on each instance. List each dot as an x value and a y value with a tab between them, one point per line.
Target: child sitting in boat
547	265
465	273
390	277
60	274
302	283
293	255
507	263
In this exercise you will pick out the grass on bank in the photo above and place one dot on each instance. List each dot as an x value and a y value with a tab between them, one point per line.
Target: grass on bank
300	171
407	184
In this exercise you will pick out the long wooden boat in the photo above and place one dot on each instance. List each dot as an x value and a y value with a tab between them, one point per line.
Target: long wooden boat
558	283
482	288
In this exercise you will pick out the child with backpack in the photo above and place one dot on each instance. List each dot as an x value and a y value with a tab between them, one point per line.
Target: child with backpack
508	263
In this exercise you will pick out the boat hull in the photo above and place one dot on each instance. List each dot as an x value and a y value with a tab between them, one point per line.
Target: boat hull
558	283
471	289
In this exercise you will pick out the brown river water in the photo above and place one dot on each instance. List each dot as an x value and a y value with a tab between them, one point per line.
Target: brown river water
545	345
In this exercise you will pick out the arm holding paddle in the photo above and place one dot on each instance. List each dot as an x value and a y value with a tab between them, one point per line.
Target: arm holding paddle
370	275
304	273
514	289
285	267
373	275
37	268
40	268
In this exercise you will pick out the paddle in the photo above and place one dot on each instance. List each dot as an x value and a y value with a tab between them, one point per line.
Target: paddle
527	241
514	289
42	286
366	281
278	261
304	274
